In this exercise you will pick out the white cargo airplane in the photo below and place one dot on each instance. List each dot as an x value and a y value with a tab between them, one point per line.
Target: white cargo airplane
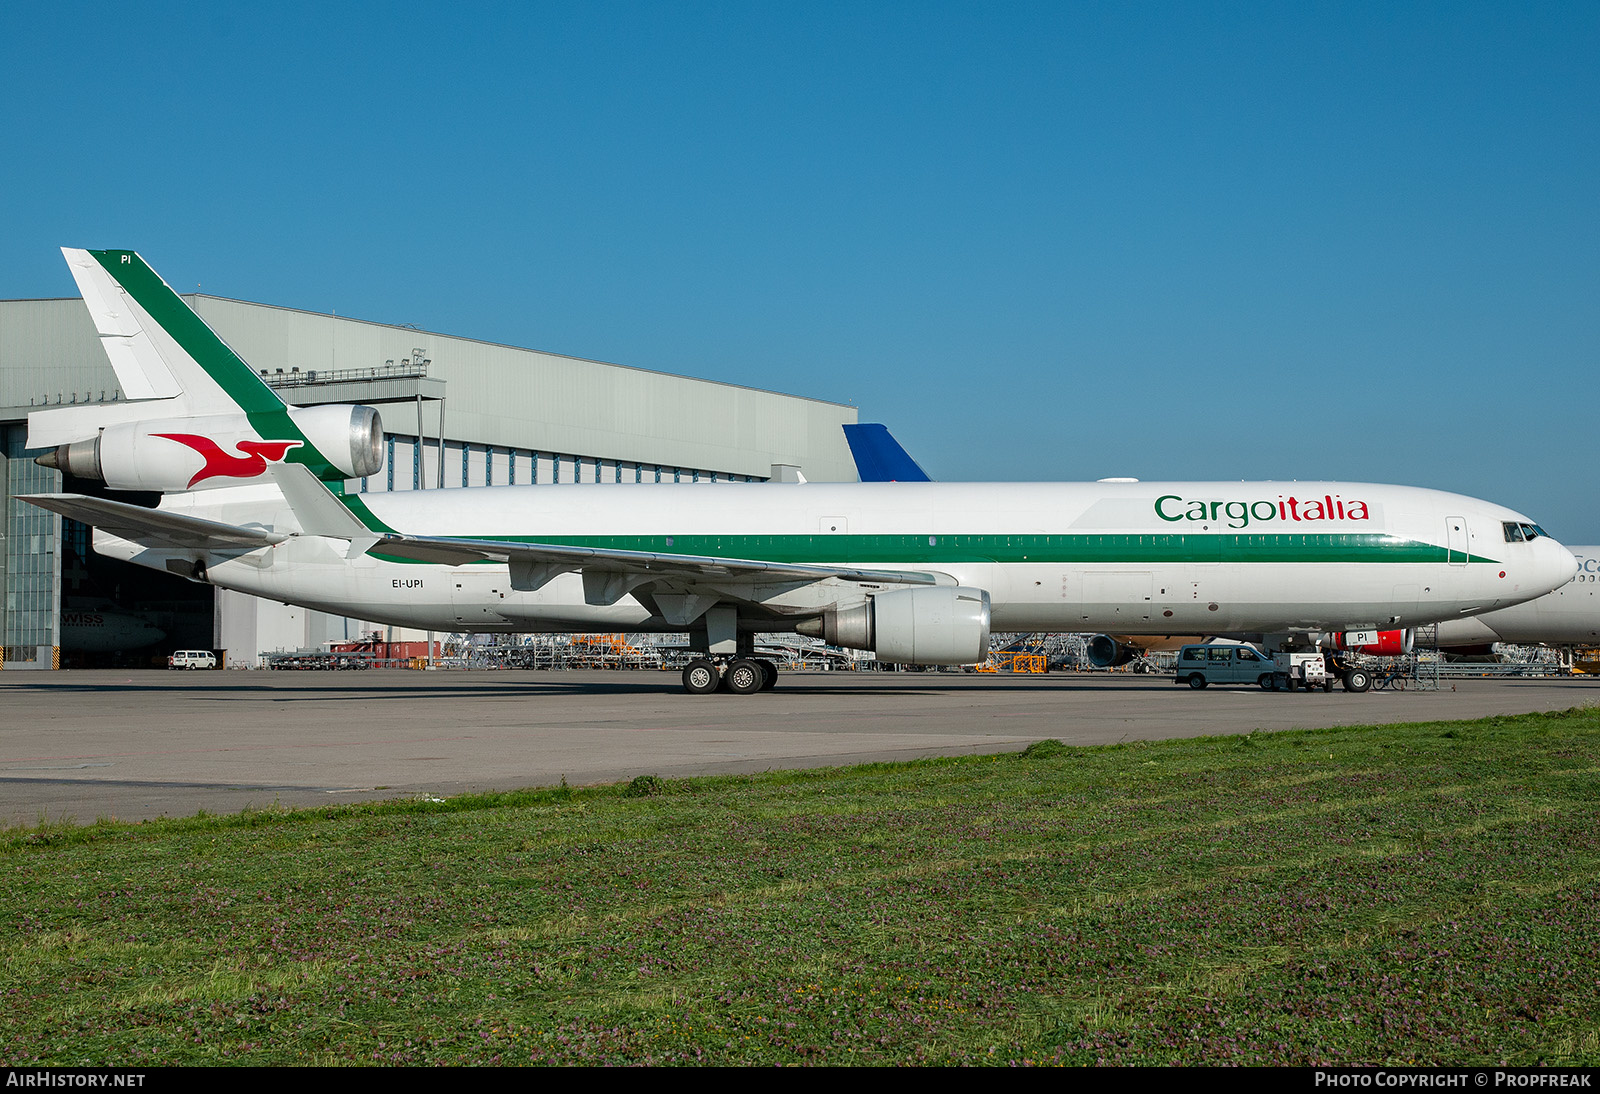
881	458
916	571
1569	616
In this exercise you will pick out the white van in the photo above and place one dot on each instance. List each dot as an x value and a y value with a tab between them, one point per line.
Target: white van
192	659
1202	665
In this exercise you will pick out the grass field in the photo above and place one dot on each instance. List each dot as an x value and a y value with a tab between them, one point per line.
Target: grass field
1396	894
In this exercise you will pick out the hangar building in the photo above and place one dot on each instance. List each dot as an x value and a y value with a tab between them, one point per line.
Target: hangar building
456	412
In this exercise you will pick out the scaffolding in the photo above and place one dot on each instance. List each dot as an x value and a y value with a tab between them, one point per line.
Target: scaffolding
1059	651
1018	663
619	651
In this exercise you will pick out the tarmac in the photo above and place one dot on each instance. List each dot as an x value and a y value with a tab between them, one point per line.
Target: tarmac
79	746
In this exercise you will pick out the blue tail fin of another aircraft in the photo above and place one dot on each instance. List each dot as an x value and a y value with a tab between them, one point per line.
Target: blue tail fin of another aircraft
879	457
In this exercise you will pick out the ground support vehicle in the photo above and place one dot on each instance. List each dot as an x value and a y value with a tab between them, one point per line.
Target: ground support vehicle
317	661
1288	670
1201	665
1301	669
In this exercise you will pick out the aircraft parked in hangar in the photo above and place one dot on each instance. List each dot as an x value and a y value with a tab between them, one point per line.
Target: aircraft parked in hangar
917	572
96	628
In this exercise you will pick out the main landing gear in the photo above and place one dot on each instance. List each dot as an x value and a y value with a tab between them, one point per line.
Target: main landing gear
740	675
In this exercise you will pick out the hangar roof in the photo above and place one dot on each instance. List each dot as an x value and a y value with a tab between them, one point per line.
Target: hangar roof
493	394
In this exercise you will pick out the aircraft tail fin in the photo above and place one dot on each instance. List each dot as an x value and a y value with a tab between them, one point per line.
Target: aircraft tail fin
879	457
158	346
197	415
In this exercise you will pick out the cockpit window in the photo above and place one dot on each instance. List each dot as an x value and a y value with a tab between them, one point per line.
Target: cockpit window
1513	532
1532	531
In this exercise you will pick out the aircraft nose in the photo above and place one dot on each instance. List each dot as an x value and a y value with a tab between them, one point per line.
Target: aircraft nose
1561	566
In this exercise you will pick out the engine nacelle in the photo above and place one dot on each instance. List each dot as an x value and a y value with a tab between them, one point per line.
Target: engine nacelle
945	625
196	453
1105	652
1377	643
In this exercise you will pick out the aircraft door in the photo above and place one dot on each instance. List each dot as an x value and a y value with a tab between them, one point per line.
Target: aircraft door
476	595
1456	540
1117	597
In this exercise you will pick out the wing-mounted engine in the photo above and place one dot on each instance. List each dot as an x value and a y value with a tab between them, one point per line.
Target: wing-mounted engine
197	452
1378	643
945	625
1105	652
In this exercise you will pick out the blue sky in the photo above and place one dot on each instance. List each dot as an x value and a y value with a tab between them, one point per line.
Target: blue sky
1057	241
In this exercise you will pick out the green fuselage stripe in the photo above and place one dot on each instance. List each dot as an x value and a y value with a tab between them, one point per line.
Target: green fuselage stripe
907	550
366	516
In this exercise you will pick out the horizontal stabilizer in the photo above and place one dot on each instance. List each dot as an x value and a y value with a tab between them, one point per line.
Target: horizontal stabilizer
66	424
153	527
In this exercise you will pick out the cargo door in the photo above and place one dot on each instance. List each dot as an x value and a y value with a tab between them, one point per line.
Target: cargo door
477	593
1117	597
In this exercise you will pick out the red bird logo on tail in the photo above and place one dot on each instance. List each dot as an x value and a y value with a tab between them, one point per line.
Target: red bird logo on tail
220	464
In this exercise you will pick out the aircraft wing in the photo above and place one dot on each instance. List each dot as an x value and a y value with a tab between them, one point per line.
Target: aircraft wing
541	561
153	527
533	564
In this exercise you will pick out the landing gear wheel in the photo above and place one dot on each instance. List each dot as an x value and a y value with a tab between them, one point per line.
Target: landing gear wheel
1357	680
744	677
1197	681
769	675
700	677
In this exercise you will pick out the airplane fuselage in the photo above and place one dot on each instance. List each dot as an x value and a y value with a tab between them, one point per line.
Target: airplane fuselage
1131	558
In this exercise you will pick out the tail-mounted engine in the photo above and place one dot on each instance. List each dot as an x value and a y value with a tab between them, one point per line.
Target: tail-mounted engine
221	449
945	625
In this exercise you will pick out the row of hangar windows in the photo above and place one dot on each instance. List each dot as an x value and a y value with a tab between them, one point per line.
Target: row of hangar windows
410	466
